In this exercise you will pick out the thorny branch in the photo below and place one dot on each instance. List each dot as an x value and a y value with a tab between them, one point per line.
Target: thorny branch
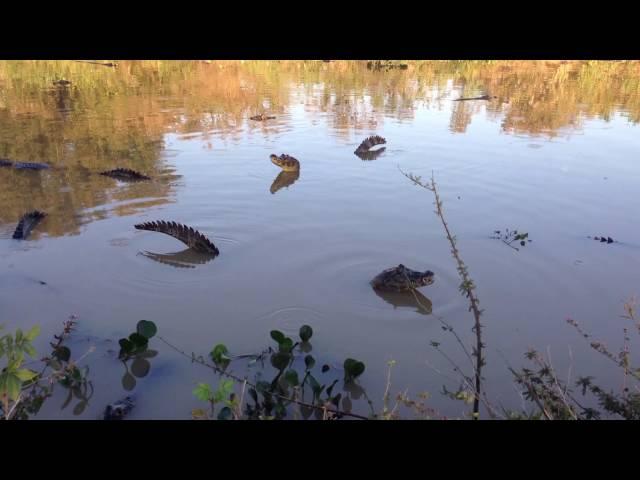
467	287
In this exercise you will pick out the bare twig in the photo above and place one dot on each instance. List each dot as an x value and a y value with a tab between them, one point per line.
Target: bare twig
508	244
467	286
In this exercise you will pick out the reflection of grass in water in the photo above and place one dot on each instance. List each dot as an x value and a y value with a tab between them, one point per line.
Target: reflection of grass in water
116	117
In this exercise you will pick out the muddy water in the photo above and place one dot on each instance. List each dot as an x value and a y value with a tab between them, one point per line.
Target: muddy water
554	155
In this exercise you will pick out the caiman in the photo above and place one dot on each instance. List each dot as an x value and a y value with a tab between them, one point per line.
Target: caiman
27	223
368	143
187	235
120	409
125	175
261	118
5	162
401	278
285	162
483	97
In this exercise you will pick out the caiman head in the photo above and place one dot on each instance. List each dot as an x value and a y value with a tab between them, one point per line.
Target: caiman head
285	162
416	278
275	160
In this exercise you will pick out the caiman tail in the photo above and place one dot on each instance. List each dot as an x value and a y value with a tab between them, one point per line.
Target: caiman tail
370	142
26	224
187	235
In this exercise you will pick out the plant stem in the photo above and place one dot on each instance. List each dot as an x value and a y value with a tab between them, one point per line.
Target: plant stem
467	287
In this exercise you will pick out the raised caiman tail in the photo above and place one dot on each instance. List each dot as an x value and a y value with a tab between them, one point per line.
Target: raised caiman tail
26	224
370	142
187	235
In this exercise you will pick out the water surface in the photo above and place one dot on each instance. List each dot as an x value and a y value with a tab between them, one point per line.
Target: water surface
555	155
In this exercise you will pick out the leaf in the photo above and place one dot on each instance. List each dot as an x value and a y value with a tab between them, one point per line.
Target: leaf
125	345
309	362
280	360
148	354
225	414
30	350
225	387
292	378
305	333
253	394
306	411
15	362
286	345
128	382
278	336
315	386
25	375
55	364
140	367
330	388
146	328
281	411
353	368
325	368
62	353
77	392
79	408
203	392
263	387
33	333
67	401
346	404
198	414
138	340
219	354
12	386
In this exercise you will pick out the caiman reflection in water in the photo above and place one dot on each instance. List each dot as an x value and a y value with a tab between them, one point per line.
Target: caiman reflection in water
407	299
284	179
187	258
370	155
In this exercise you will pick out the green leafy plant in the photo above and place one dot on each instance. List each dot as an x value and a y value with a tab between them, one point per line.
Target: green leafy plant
13	378
222	395
275	399
135	350
23	391
509	237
